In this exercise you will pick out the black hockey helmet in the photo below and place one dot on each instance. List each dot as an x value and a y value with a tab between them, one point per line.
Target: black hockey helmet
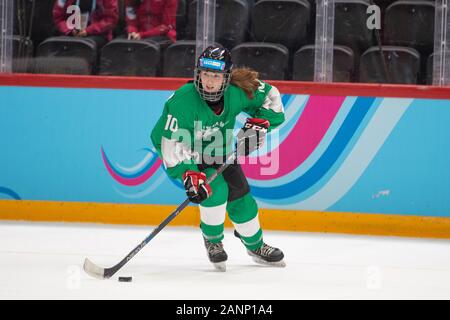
215	58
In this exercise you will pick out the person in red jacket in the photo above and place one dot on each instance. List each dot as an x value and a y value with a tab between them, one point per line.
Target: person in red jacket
98	18
155	19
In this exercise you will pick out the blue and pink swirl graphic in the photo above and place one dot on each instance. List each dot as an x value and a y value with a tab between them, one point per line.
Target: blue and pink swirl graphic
136	175
9	193
322	149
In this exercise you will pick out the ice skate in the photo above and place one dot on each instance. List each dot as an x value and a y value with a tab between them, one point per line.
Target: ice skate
216	255
266	254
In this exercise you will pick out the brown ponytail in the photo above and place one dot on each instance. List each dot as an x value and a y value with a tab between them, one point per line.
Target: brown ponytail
246	79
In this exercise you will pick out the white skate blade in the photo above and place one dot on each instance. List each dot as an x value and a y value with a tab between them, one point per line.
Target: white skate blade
220	266
278	264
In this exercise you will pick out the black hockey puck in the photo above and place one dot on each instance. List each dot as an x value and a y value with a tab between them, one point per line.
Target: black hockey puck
125	279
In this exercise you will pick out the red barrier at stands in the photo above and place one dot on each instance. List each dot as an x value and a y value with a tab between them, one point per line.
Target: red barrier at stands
292	87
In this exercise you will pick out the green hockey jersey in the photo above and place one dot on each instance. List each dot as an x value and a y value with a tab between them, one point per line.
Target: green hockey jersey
189	129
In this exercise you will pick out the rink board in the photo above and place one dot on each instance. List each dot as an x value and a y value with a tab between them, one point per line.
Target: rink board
373	157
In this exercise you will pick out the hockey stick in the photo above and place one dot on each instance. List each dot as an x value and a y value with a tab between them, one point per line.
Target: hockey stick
105	273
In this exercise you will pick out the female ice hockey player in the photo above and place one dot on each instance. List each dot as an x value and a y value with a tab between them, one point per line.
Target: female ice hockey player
194	136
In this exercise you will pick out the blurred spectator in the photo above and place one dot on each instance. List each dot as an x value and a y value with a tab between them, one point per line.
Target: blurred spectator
155	19
98	18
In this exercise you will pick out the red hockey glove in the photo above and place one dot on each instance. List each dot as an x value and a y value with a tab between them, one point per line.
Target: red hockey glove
196	187
252	136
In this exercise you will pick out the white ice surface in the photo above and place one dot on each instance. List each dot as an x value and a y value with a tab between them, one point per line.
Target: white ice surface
44	261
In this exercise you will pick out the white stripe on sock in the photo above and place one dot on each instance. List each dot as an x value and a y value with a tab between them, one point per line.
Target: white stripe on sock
249	228
213	216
